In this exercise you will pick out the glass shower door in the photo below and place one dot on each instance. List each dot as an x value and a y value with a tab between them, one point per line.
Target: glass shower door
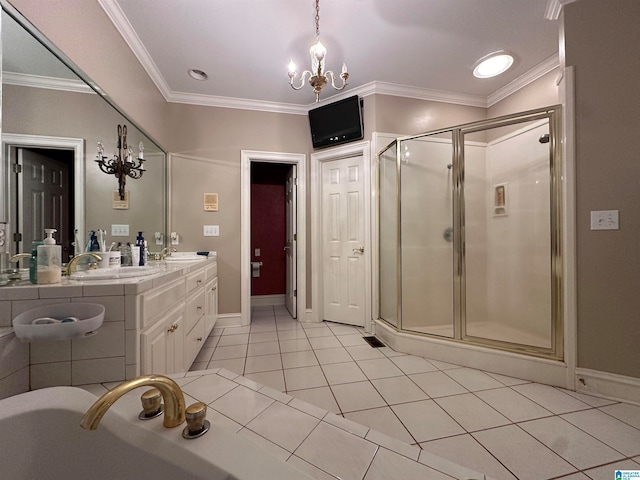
426	234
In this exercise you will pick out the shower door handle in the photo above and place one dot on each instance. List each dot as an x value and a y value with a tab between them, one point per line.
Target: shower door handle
358	250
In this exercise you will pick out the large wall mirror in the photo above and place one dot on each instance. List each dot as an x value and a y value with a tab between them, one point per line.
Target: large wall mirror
52	121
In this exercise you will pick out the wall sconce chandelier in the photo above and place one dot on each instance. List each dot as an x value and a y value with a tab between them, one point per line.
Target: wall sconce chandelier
122	164
317	79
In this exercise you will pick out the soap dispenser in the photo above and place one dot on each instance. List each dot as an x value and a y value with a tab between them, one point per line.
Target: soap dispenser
140	243
49	260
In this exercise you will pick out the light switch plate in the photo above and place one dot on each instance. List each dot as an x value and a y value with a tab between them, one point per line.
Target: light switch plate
256	252
605	220
211	230
119	230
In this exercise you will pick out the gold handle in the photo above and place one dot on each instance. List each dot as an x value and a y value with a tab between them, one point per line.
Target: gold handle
199	307
358	250
151	404
199	339
214	289
197	424
198	282
173	328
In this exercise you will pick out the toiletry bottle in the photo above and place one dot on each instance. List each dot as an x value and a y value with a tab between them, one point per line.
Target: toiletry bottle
49	260
140	245
33	263
94	246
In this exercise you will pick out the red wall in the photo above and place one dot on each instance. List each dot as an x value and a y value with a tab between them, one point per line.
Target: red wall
268	226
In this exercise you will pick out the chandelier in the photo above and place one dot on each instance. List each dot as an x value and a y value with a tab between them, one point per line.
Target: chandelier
122	164
317	79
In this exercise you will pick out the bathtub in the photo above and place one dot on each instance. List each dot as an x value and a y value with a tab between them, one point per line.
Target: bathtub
41	438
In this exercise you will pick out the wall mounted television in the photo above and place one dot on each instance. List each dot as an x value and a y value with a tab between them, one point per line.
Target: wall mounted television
336	123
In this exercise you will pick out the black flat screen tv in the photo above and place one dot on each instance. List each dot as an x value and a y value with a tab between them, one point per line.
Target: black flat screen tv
336	123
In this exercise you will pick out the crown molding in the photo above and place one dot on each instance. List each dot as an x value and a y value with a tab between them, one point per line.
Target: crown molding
51	83
554	8
522	81
120	21
238	103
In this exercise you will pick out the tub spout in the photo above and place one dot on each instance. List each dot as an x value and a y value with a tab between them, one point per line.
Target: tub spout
173	397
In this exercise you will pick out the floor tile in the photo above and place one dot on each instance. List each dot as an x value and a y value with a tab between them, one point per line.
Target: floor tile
263	337
294	345
262	348
471	412
324	342
209	388
347	372
287	326
234	364
412	364
619	435
426	421
522	454
304	377
505	380
306	467
352	340
268	446
241	404
357	396
204	355
320	397
273	379
196	366
333	355
589	399
398	390
319	332
550	398
473	380
475	455
443	365
606	472
299	359
283	425
291	334
232	351
437	384
365	352
387	465
263	363
235	330
379	368
263	327
337	452
343	330
511	404
241	339
625	412
578	448
383	420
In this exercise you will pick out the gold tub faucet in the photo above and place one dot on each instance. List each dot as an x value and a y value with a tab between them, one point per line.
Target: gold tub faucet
173	397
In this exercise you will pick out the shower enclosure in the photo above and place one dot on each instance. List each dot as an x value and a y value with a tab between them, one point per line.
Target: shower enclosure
469	234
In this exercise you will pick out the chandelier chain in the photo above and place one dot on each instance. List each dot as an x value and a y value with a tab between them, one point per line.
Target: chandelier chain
317	19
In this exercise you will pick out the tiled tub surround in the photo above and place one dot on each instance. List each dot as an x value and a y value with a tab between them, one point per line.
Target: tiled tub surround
111	355
319	443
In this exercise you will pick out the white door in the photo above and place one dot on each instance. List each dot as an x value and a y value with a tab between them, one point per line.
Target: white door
292	237
343	265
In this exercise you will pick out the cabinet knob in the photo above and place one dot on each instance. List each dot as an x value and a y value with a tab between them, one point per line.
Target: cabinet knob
214	289
173	328
198	281
199	339
199	307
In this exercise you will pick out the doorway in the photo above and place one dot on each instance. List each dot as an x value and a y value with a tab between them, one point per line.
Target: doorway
341	219
58	163
291	246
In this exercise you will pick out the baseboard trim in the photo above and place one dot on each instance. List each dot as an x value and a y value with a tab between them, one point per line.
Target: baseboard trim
267	300
229	320
608	385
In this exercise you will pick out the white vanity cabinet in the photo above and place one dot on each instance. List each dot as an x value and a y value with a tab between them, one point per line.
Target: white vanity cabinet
176	318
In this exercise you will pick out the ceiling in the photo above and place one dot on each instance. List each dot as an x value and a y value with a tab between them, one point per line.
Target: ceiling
416	48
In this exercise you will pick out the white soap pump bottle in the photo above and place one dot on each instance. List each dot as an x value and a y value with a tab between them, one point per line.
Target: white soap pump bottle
49	260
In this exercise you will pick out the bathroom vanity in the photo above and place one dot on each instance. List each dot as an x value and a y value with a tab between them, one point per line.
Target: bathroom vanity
153	324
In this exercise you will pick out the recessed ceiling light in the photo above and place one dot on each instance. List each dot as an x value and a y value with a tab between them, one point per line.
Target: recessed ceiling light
198	74
492	65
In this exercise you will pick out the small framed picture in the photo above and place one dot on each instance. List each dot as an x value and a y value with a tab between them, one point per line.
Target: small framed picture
120	204
500	198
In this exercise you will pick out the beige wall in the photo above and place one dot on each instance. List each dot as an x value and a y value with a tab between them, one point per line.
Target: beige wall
542	92
601	44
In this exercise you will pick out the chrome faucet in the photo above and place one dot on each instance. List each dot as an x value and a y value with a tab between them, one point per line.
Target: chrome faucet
73	263
173	397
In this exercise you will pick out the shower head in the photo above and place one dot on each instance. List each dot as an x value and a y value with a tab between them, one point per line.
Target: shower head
544	138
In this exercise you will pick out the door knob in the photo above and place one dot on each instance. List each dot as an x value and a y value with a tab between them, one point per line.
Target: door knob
358	250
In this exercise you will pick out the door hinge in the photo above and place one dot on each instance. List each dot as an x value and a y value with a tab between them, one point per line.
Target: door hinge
295	237
295	181
295	293
17	237
17	168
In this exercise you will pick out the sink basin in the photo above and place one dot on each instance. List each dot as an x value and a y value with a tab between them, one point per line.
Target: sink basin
113	273
60	321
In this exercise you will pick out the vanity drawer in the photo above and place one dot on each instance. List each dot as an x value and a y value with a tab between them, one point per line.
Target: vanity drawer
195	309
193	343
195	280
212	271
155	304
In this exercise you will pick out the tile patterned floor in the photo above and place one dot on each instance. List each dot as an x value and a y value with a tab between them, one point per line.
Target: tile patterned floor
502	426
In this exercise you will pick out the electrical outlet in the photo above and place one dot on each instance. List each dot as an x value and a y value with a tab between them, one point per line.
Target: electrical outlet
3	234
175	238
211	230
159	238
605	220
119	230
